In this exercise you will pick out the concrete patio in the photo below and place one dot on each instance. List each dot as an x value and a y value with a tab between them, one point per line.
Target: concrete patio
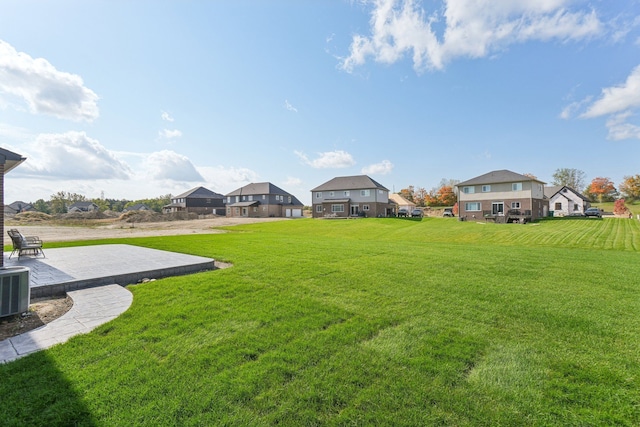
69	269
94	277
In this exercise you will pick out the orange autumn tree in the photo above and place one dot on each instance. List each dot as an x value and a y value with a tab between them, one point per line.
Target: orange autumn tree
630	187
602	190
446	196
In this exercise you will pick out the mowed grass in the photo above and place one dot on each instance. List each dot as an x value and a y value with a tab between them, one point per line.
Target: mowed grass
364	322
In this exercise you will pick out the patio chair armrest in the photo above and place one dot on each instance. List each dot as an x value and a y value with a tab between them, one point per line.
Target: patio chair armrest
33	239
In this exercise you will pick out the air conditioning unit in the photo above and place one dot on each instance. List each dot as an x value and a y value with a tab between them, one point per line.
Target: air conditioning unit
14	290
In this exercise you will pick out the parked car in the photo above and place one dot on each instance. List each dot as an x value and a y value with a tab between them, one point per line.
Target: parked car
417	213
593	212
403	212
448	212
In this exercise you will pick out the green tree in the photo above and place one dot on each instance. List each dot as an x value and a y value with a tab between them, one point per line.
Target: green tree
41	206
102	204
573	178
58	202
155	204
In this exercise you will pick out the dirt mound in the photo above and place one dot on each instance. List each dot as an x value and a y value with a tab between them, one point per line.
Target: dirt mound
28	217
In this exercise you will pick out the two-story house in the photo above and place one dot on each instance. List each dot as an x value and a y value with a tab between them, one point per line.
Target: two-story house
347	196
83	207
495	193
565	201
262	200
199	200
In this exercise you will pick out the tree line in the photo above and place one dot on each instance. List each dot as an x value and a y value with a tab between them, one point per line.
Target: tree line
600	189
60	202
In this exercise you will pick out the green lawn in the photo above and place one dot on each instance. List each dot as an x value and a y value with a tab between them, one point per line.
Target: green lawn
362	322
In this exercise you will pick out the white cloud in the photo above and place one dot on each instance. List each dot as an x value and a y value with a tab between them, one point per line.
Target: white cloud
71	155
293	182
44	89
472	28
619	103
571	110
289	106
328	160
383	168
166	117
170	133
169	165
619	129
226	179
617	98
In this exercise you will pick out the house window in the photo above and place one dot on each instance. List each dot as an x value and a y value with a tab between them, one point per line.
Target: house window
365	207
331	194
468	190
516	186
251	198
289	199
576	207
346	193
472	206
229	211
558	206
380	192
264	196
486	188
365	193
318	195
255	209
337	208
515	205
228	199
319	208
237	211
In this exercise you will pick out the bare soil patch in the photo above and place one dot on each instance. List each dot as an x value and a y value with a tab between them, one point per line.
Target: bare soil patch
40	313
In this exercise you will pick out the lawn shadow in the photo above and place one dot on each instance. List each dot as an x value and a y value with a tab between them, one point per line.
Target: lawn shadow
35	392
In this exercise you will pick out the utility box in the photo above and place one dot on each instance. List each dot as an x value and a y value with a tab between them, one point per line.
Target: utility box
15	293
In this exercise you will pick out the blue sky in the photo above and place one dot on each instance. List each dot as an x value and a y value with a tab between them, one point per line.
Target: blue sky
137	99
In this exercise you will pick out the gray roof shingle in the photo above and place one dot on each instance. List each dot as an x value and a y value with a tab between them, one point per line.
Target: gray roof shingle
497	177
357	182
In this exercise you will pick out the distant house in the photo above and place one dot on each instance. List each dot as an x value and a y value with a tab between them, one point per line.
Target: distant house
261	200
402	202
198	200
137	207
565	201
17	207
346	196
82	207
494	193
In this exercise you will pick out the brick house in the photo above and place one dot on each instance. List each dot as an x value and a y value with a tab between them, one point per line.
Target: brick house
351	196
199	200
262	200
495	193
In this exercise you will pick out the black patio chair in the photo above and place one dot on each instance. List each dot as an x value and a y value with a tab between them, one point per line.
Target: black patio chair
23	245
